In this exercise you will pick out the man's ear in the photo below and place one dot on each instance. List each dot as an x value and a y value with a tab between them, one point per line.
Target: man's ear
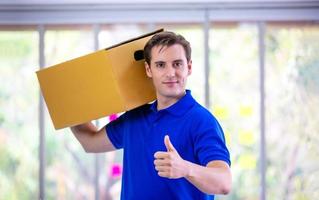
189	67
148	70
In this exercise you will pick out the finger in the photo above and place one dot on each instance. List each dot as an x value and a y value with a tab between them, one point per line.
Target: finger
161	155
168	144
162	168
163	174
161	162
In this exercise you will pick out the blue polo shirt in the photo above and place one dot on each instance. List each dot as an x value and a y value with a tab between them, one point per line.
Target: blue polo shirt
194	132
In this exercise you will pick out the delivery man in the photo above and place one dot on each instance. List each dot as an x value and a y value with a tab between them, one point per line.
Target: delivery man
174	148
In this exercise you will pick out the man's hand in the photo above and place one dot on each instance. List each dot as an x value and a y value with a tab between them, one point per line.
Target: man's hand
214	178
169	164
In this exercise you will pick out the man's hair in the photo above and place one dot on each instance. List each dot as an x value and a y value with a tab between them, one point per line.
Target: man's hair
166	39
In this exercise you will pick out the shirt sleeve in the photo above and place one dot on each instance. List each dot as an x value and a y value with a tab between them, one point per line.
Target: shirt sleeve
115	131
209	141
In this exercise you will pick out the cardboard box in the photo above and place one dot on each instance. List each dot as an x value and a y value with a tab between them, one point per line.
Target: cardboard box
108	81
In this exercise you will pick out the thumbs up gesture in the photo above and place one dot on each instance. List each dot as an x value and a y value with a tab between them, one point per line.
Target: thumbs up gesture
168	163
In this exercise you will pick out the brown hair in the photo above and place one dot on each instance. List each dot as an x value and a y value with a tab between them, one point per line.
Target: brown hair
166	39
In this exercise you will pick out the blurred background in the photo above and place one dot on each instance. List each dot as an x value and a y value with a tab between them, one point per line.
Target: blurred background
255	66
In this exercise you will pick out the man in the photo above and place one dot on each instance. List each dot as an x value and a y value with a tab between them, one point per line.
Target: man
173	148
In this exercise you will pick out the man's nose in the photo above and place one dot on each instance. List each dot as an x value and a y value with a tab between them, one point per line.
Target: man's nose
170	71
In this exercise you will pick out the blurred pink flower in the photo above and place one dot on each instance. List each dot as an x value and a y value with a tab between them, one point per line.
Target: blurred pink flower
116	170
113	117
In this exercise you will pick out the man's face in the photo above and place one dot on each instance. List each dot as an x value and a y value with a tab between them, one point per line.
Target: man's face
169	70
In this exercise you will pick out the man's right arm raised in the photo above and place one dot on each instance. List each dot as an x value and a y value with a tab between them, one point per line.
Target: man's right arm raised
92	139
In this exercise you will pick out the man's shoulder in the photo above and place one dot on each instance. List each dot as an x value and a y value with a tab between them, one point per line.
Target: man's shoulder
132	115
201	115
138	110
200	110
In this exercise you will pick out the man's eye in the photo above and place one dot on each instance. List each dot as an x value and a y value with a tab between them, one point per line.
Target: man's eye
160	65
178	64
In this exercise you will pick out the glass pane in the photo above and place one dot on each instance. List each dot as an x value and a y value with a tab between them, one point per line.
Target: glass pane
69	170
195	35
234	90
113	34
111	162
292	107
18	115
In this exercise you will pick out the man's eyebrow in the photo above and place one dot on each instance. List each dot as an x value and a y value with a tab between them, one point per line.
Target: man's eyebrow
159	62
178	60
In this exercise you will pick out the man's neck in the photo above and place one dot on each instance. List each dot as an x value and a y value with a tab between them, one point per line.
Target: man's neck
165	102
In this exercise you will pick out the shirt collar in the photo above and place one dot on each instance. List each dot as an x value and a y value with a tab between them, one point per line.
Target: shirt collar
179	108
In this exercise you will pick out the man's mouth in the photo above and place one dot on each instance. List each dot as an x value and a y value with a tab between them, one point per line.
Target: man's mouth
170	82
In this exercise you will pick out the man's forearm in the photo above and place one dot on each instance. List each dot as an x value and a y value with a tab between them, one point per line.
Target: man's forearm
83	132
86	127
92	139
210	179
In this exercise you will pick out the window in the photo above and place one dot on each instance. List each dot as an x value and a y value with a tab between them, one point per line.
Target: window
69	170
292	86
234	94
290	79
18	114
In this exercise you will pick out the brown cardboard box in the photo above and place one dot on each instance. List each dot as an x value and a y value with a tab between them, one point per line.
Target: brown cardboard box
104	82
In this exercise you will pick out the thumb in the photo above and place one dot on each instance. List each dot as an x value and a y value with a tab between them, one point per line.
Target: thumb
168	144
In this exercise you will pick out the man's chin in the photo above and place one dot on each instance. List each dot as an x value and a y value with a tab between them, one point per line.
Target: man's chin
172	94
